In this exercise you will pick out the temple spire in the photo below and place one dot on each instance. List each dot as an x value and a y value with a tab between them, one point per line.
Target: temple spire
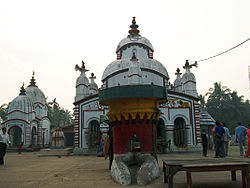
32	80
134	31
22	90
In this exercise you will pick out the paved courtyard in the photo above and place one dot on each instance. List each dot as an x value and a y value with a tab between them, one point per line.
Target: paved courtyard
29	170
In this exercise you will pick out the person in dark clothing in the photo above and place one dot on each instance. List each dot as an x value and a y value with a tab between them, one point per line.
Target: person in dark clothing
219	136
204	142
108	147
110	151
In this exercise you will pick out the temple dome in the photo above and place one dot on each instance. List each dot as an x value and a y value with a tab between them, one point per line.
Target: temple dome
82	80
35	93
188	76
133	40
21	103
123	64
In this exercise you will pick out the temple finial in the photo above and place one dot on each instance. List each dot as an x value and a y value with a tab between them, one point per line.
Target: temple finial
83	65
134	31
22	90
178	72
32	80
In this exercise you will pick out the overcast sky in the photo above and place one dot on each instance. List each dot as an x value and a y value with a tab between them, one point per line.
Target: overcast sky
51	36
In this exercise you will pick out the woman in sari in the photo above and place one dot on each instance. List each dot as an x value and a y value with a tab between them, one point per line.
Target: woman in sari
248	142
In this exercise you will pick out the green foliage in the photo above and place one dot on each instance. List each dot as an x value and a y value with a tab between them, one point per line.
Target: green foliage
226	106
4	111
58	116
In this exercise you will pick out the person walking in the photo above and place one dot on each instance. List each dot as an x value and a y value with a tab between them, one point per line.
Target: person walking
4	141
219	136
241	132
227	138
108	147
248	142
204	142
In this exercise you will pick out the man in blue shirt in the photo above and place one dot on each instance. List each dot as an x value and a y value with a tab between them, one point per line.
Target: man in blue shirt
241	132
219	138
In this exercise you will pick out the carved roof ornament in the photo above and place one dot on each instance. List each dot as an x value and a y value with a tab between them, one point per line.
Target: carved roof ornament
178	72
134	31
187	66
32	80
81	69
92	77
133	58
22	90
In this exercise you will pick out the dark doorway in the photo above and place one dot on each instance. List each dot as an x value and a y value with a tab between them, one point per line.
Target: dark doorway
33	136
161	131
93	134
180	132
15	134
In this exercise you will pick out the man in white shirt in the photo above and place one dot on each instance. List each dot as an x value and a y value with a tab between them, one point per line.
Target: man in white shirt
4	140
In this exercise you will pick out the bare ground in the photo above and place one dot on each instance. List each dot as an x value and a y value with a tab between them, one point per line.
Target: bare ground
29	170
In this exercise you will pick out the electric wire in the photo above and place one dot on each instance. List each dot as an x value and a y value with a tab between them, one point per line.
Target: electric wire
223	51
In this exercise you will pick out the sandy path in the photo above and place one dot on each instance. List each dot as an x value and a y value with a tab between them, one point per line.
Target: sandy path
28	170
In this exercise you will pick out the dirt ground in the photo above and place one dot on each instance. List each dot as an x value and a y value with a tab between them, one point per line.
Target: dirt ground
29	170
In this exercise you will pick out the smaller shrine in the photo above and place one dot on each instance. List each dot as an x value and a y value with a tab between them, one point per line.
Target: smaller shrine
27	119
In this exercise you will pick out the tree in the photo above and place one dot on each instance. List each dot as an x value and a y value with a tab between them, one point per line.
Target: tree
58	116
227	106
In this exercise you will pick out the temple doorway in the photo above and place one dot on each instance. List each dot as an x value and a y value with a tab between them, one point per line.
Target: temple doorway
15	134
161	131
33	136
93	134
180	132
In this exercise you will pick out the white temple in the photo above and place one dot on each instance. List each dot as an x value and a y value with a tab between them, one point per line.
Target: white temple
27	119
179	120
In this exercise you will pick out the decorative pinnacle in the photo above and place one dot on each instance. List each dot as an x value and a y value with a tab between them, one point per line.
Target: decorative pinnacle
83	65
134	31
178	72
92	76
32	80
186	65
22	90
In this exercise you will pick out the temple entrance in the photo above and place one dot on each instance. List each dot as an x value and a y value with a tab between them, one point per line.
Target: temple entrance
161	131
161	142
15	134
93	134
180	132
33	136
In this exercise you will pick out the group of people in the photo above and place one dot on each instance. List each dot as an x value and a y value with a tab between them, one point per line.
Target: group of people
222	137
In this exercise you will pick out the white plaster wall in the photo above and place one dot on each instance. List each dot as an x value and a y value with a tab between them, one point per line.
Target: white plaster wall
179	112
190	88
21	115
121	78
147	78
139	52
